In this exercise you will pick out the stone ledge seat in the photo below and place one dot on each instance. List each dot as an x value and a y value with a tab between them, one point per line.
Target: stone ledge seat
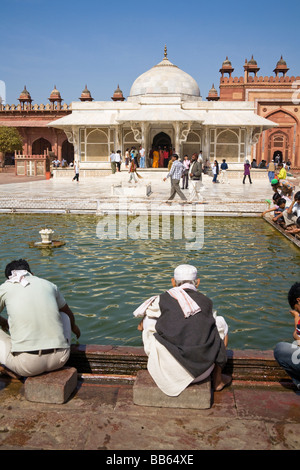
51	387
146	393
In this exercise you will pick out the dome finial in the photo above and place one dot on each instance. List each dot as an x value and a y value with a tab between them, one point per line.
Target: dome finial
166	52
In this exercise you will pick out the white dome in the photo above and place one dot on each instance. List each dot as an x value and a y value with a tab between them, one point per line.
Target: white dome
165	79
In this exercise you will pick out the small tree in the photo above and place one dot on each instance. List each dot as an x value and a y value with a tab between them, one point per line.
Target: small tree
10	140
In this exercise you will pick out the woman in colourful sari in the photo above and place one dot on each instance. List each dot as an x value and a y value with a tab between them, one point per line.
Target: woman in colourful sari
161	158
155	159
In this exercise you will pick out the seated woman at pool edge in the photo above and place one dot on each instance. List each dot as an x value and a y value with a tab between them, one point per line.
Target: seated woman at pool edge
181	337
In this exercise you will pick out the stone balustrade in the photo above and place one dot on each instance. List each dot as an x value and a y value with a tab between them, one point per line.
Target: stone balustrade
35	107
259	79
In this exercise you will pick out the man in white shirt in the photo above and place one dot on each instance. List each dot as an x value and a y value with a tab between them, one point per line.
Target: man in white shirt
118	160
195	177
76	168
113	162
39	322
142	157
175	174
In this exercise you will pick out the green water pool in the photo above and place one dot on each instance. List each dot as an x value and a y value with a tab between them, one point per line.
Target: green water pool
245	267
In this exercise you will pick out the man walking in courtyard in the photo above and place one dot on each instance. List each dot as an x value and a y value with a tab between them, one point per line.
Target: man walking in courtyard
39	322
113	162
175	174
195	175
142	157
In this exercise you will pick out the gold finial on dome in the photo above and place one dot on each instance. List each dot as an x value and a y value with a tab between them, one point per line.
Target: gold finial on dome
166	52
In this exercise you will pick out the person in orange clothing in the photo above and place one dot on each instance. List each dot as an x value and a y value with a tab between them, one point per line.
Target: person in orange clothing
155	158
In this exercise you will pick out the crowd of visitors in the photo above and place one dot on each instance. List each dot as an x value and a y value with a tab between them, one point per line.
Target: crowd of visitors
285	203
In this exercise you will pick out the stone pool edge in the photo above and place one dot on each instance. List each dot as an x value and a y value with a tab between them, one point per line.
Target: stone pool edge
109	363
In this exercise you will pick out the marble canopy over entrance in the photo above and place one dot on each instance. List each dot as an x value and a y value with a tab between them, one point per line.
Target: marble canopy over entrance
163	101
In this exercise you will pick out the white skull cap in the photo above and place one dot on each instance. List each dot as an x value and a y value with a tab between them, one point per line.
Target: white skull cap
185	272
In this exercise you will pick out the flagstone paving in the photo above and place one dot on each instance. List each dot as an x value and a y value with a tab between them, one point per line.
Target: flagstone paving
102	416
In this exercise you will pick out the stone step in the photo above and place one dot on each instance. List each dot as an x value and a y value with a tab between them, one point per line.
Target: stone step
146	393
246	365
51	387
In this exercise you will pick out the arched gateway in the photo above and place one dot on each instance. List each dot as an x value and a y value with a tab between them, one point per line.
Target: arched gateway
164	107
162	140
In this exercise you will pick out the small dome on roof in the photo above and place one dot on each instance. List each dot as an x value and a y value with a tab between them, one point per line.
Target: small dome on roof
118	95
213	94
55	95
226	62
213	90
25	95
86	95
281	61
281	67
252	61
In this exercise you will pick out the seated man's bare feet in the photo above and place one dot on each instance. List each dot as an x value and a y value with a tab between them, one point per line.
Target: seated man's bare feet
220	380
223	382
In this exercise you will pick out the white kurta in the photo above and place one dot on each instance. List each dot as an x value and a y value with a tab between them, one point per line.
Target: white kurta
168	374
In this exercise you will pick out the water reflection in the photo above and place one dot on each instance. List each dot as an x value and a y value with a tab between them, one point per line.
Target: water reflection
244	266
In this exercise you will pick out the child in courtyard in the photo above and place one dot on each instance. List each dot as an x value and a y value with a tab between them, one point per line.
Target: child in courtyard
281	172
278	210
132	171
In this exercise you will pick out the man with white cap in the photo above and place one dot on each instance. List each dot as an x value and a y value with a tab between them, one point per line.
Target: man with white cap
181	337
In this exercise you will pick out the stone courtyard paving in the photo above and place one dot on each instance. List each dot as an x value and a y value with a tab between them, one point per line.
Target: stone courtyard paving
103	417
244	416
91	194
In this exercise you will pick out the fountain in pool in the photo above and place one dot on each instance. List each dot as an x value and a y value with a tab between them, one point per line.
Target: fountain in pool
47	241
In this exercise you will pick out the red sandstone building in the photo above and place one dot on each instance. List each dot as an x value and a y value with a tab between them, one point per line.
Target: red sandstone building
276	97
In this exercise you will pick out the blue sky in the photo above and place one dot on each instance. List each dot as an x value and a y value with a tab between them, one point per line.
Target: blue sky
71	43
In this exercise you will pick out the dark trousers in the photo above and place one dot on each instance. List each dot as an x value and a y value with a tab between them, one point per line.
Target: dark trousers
245	178
176	189
76	177
287	356
185	181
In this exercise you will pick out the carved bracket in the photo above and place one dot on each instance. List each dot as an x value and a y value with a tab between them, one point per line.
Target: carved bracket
72	138
185	132
137	133
255	135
